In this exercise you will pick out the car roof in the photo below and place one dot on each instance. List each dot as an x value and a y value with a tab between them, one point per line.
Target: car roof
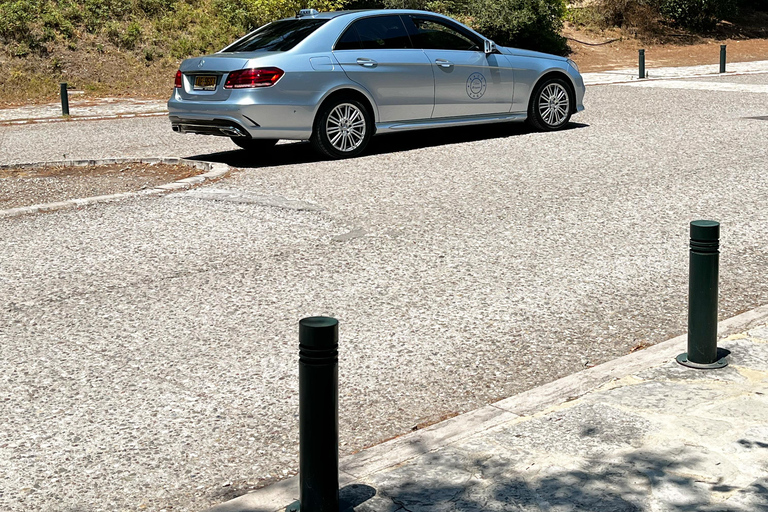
330	14
335	14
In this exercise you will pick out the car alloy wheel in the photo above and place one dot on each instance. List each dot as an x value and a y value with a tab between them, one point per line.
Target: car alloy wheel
343	129
550	107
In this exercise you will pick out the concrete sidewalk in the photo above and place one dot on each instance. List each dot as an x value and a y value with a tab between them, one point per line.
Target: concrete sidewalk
111	108
640	433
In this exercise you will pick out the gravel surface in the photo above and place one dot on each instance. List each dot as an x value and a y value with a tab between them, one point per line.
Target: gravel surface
148	349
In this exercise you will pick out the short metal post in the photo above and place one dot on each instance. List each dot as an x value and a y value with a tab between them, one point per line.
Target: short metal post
702	297
641	63
318	414
64	99
722	58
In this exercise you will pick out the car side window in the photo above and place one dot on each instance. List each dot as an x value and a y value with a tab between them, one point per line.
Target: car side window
375	33
349	40
434	34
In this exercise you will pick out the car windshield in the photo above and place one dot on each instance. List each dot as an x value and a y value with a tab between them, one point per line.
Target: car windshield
279	36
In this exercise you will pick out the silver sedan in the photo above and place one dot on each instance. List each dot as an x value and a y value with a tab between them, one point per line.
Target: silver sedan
338	78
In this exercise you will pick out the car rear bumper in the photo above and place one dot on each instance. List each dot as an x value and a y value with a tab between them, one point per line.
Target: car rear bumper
237	120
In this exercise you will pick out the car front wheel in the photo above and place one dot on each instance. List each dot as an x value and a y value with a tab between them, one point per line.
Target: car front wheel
342	129
550	107
254	144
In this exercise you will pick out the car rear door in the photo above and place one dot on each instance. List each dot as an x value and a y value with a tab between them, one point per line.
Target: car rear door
467	81
376	52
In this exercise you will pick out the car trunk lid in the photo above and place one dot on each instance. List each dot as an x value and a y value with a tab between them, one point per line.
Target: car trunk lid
203	77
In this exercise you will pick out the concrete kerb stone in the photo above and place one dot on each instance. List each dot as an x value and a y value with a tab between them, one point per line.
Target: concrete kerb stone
353	468
213	170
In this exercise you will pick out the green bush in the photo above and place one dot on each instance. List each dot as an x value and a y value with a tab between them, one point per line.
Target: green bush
624	13
123	36
155	7
532	24
698	14
16	19
250	14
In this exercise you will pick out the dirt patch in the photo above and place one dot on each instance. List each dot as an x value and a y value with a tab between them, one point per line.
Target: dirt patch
27	186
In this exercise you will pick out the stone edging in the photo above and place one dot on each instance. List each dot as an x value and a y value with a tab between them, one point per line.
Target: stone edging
102	117
213	170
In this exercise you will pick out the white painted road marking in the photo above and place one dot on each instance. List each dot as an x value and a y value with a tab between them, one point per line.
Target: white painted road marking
702	86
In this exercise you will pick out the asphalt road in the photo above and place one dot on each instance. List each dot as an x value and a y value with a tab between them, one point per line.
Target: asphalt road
148	349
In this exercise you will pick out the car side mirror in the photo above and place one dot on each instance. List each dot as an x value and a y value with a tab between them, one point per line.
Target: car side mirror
490	47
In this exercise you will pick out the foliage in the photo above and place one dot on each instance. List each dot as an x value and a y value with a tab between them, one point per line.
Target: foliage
698	14
624	13
532	24
179	27
250	14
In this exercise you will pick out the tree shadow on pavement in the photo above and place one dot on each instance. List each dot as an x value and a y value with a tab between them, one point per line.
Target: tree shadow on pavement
302	152
640	481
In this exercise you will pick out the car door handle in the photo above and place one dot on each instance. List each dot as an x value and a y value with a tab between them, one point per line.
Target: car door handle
444	63
367	63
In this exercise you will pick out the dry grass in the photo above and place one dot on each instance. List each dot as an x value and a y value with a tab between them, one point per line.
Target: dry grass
96	68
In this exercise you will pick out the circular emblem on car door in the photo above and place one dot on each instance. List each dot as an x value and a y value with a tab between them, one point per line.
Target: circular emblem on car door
476	86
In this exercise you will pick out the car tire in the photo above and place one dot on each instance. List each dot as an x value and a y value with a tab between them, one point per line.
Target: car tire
343	128
254	144
551	105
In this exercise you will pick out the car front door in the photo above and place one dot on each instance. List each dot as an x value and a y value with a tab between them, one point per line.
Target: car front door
467	81
376	52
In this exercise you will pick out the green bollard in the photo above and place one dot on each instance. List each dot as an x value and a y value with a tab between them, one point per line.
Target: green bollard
702	297
318	414
641	63
722	58
64	99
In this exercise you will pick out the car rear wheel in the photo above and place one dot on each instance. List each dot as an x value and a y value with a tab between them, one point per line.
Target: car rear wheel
254	144
551	105
342	129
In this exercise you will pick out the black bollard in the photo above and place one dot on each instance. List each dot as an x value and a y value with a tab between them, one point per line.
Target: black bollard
641	63
702	297
722	58
64	99
318	414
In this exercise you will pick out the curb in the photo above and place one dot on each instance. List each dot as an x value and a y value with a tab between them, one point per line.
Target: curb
213	171
355	467
621	81
43	120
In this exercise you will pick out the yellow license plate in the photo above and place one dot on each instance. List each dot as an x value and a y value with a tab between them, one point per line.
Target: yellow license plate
205	83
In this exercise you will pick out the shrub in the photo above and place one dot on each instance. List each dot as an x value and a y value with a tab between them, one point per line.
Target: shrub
154	7
98	12
698	14
250	14
16	19
625	13
532	24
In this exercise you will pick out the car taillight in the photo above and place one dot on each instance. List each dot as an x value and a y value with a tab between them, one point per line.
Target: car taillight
178	80
254	77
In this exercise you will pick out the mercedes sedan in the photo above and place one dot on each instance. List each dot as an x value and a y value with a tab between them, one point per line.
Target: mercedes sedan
338	78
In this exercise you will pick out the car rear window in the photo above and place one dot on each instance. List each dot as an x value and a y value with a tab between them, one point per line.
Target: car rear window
279	36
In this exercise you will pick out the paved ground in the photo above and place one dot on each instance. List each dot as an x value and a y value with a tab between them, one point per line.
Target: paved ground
148	348
638	434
